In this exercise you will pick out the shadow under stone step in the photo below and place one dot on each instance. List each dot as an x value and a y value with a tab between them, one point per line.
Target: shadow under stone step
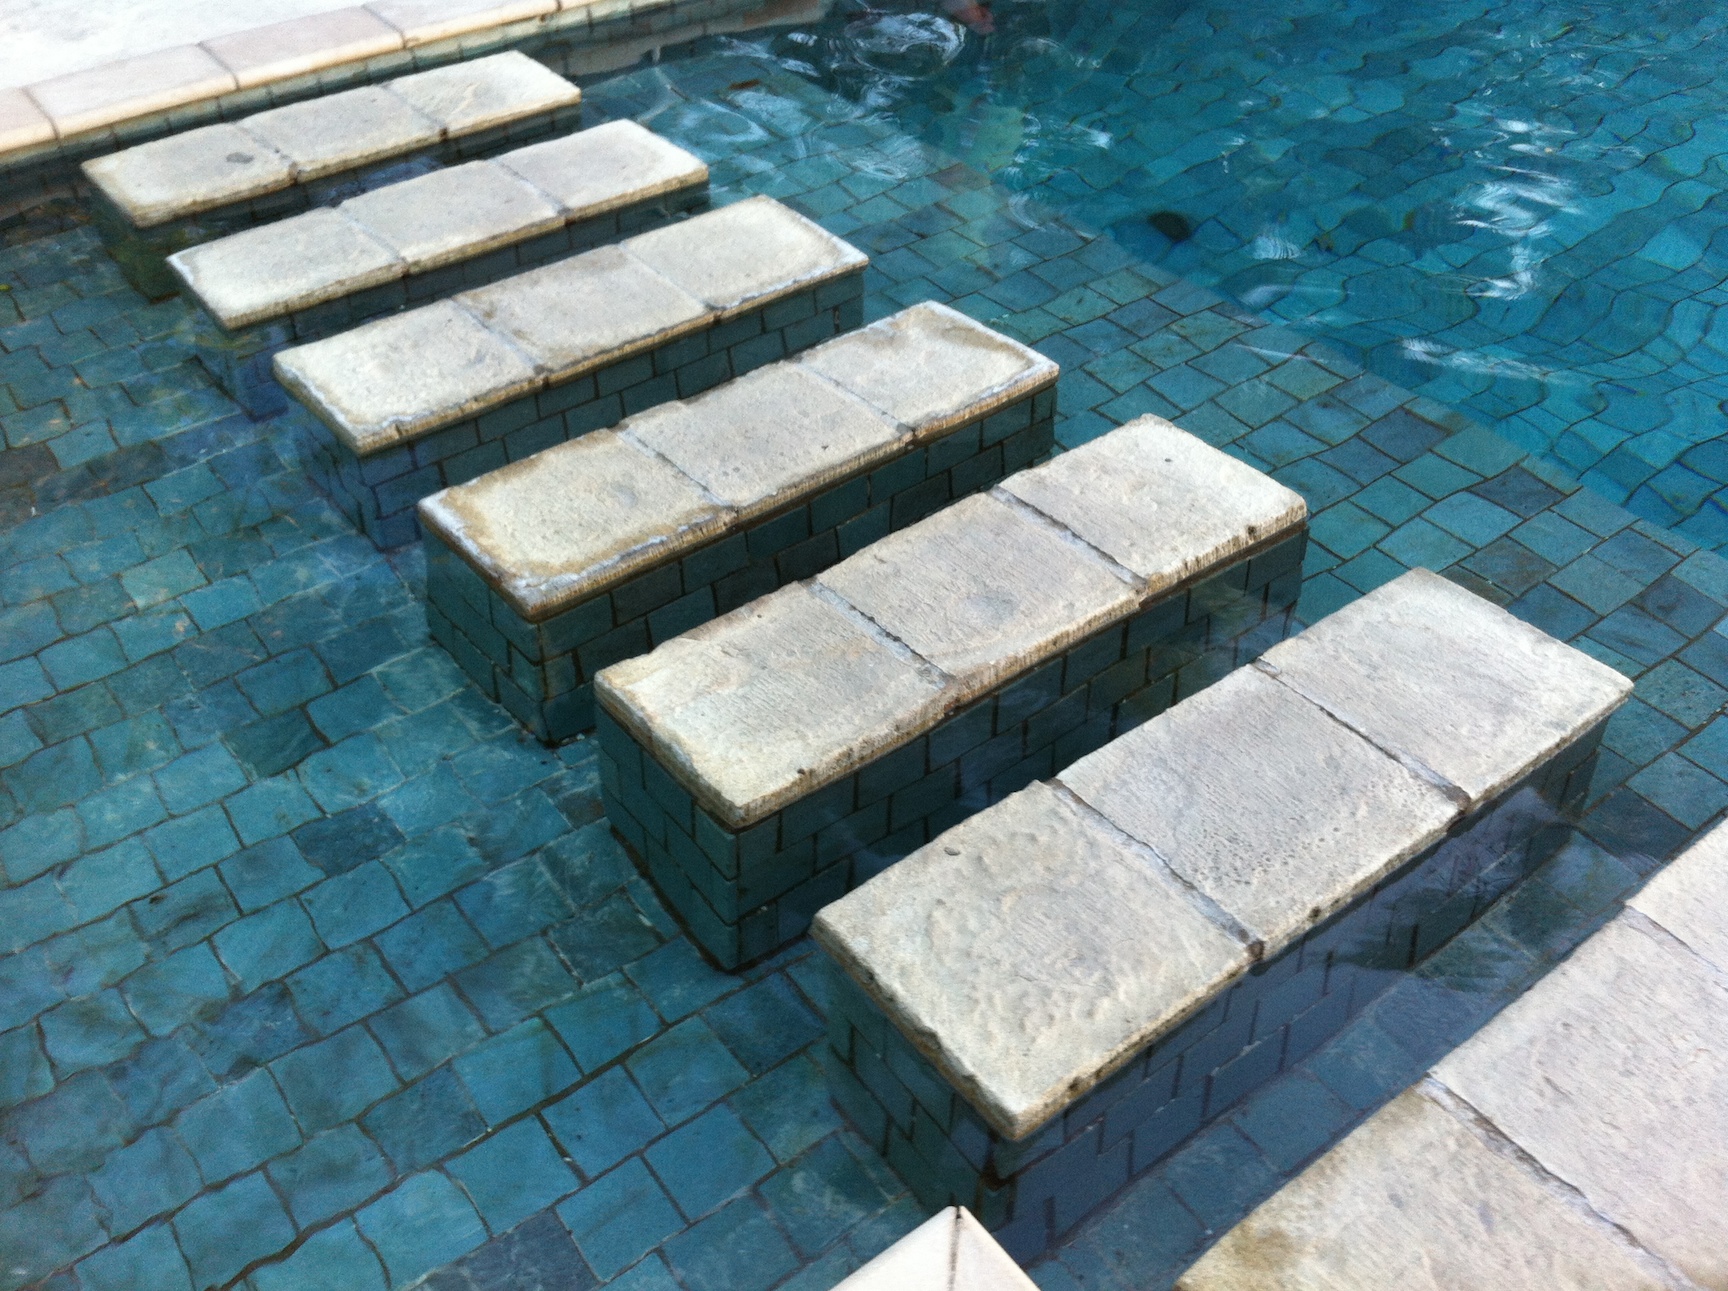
1053	995
542	572
767	762
161	197
435	396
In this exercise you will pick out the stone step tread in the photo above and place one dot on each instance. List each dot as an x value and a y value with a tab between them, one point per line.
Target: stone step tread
580	517
421	224
1034	948
927	619
231	162
950	1251
482	348
1579	1139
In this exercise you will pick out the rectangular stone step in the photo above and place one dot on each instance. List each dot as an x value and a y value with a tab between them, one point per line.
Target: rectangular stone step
161	197
765	763
542	572
950	1251
435	396
1051	996
330	269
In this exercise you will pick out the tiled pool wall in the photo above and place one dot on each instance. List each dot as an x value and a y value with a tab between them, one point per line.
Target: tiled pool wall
317	967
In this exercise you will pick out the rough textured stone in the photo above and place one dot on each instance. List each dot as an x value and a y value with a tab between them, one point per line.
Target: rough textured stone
1159	501
453	214
343	131
1689	898
81	102
1030	951
598	170
1264	803
950	1251
1449	680
487	92
1419	1199
303	45
714	703
422	21
982	590
187	173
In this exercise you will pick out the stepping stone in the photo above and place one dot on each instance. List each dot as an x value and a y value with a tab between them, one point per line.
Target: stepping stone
950	1251
765	763
1580	1139
1051	996
542	572
324	271
411	404
160	197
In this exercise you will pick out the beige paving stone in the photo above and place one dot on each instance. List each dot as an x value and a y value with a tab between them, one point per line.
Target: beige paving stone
265	272
1450	680
565	523
397	376
950	1251
311	43
80	102
779	433
931	367
1613	1074
1690	897
343	131
732	257
453	214
424	21
1029	951
1264	803
183	174
1159	501
757	707
22	123
982	590
1415	1199
485	92
567	315
595	171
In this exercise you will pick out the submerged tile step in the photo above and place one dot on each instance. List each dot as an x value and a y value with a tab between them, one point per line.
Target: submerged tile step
542	572
172	193
1049	997
435	396
327	270
763	764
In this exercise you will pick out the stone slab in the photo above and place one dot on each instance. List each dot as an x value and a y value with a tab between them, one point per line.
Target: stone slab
1450	682
950	1251
1689	898
345	131
424	21
453	214
221	164
464	98
300	46
83	102
1030	951
605	167
22	124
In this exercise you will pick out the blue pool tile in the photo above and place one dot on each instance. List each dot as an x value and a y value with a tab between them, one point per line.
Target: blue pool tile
424	1030
189	843
826	1193
350	773
89	1032
157	1079
148	1177
426	1121
224	1230
1292	1119
269	808
736	1249
434	864
354	905
538	1255
515	982
24	1069
1421	544
514	1071
513	1174
198	778
423	1223
149	1258
1683	789
684	1069
430	945
335	1259
342	987
619	1218
677	980
603	1122
334	1172
765	1023
1556	614
334	1080
514	902
708	1161
238	1127
1473	519
269	944
259	876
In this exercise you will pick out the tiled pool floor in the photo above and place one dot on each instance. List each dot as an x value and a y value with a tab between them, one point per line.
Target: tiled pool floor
316	974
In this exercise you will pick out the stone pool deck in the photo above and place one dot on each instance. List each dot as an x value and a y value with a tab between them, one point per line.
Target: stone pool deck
317	971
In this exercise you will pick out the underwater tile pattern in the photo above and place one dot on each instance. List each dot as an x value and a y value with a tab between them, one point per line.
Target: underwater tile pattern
314	971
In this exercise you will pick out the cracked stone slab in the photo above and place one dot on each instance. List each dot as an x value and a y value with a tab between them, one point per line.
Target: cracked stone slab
950	1251
454	214
609	166
185	174
471	96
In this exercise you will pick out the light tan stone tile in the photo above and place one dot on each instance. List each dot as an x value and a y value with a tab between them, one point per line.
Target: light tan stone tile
424	21
1416	1200
980	1263
1442	676
22	123
1690	897
183	174
595	171
757	708
559	526
950	1251
1030	951
1159	501
453	214
982	590
280	50
343	131
1612	1072
570	315
80	102
767	438
392	378
931	367
484	92
733	257
1264	803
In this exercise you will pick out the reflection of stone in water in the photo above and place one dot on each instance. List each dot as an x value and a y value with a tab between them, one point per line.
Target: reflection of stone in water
1172	225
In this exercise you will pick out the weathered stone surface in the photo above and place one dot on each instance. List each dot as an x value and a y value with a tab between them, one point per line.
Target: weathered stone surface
389	379
931	367
733	257
280	50
727	705
423	21
81	102
612	165
950	1251
22	123
487	92
761	440
1690	897
343	131
187	173
1447	679
1029	951
556	527
1159	501
454	214
1419	1200
572	313
1613	1074
1264	803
